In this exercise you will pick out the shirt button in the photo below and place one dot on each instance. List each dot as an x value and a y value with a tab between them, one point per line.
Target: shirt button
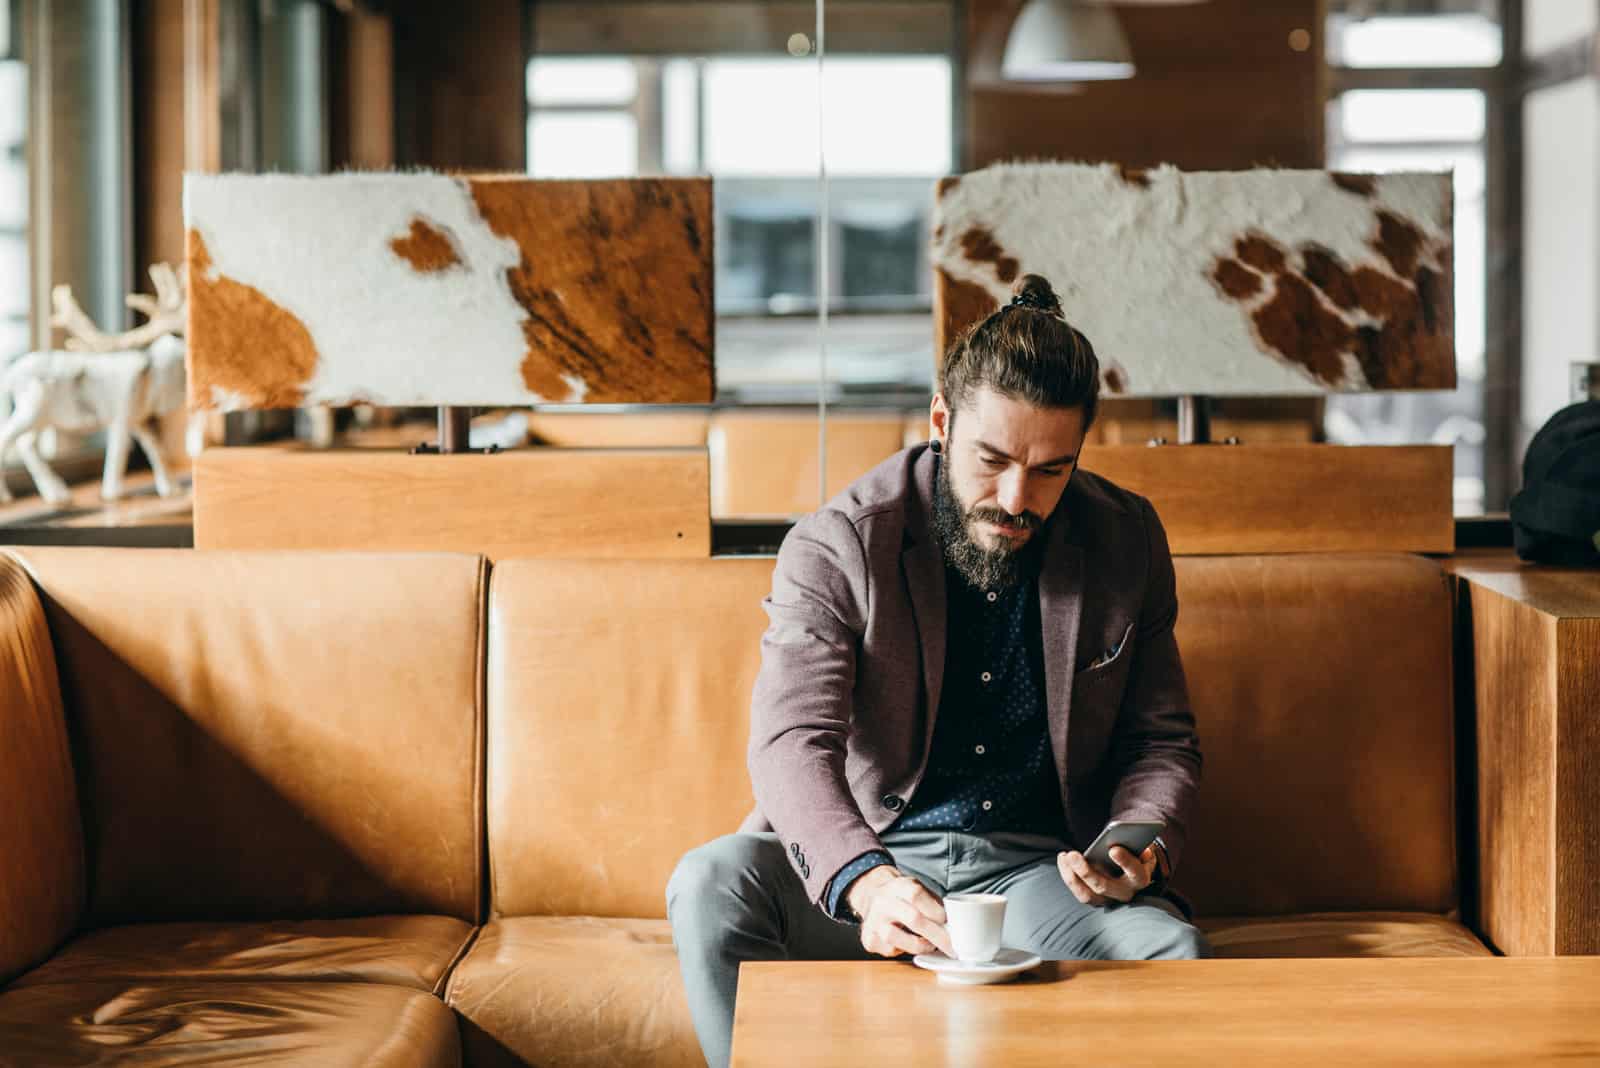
893	803
978	750
987	805
987	676
992	595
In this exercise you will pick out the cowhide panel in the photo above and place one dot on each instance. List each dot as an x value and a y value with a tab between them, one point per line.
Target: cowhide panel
423	289
1249	282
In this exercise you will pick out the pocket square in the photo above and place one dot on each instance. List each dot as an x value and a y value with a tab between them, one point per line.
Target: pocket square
1111	654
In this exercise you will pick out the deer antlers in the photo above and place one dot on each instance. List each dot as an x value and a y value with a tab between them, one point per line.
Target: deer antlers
164	314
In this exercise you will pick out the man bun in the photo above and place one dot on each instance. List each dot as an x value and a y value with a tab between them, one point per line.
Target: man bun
1034	291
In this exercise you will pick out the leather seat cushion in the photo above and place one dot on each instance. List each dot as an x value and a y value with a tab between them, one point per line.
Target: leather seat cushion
332	1025
573	990
581	990
1342	934
409	951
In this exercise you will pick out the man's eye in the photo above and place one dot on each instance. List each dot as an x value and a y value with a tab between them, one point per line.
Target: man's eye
992	462
1051	472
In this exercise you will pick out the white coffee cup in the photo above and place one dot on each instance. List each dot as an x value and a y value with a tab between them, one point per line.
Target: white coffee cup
974	922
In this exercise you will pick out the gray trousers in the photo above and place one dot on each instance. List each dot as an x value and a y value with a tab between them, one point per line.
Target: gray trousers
737	899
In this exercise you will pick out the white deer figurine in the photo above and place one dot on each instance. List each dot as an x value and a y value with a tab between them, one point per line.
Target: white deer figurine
122	383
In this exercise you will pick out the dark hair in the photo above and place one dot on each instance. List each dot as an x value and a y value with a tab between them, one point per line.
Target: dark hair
1026	350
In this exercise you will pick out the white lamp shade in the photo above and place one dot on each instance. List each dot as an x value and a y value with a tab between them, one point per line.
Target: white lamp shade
1065	40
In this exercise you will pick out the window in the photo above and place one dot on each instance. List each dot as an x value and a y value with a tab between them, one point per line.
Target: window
1423	129
1467	39
581	118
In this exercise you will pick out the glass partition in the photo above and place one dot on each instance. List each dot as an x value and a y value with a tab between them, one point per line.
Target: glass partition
1560	246
1414	92
823	149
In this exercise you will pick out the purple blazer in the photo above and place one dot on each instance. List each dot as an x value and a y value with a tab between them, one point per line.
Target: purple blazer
853	659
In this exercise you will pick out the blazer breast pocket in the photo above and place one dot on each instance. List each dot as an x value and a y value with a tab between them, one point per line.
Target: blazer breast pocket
1108	664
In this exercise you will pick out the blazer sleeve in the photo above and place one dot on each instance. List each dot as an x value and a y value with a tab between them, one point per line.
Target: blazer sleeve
1156	748
801	706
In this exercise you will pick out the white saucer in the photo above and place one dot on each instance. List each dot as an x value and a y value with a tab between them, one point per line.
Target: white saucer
1007	964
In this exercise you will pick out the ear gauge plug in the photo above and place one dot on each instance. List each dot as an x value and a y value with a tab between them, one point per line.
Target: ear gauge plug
937	446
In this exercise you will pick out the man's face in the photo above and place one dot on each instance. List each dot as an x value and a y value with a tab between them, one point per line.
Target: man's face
1007	464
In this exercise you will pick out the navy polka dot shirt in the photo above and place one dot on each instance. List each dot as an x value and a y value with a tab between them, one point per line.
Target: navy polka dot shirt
991	767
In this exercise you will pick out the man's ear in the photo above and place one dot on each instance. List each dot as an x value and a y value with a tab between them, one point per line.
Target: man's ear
939	417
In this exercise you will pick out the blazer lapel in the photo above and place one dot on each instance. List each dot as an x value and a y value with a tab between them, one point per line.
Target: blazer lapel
923	564
1060	608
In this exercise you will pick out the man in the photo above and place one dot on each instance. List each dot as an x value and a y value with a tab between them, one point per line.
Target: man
970	668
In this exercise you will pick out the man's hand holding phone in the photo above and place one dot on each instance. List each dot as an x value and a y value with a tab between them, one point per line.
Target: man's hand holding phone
898	914
1094	887
1093	875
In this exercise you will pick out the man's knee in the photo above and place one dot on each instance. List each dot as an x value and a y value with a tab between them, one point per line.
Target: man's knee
1183	942
711	876
1152	933
1165	937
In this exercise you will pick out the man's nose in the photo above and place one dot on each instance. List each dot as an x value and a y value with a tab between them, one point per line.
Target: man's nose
1013	495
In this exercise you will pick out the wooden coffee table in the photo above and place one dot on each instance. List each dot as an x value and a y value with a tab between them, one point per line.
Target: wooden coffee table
1352	1011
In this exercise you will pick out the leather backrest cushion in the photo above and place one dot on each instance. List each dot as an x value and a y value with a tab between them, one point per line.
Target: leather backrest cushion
41	838
618	717
619	713
260	734
1323	694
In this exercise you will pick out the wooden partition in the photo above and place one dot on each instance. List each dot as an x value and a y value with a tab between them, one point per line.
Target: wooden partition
1290	498
1535	650
764	461
659	428
534	502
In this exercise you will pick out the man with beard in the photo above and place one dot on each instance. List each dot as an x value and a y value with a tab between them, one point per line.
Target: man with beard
969	669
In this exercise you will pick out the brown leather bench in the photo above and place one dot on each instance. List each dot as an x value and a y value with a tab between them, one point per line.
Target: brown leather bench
251	797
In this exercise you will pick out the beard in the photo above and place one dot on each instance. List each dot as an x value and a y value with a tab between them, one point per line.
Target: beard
999	568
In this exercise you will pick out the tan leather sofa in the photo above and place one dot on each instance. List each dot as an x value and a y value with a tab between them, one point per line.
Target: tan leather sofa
400	809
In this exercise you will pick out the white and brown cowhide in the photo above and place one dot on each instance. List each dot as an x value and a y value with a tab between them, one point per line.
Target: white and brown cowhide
1248	282
424	289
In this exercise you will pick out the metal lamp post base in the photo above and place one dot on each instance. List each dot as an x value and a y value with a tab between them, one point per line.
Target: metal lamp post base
455	428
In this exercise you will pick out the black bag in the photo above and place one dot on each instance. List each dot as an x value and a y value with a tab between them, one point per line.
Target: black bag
1555	519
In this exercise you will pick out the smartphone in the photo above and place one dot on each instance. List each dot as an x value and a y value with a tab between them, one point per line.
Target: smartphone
1133	835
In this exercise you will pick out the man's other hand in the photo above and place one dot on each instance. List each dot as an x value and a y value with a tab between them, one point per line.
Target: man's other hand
1093	886
898	914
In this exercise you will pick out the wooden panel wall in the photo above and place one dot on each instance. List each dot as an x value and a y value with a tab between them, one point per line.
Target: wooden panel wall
460	84
1219	88
158	148
177	127
361	83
